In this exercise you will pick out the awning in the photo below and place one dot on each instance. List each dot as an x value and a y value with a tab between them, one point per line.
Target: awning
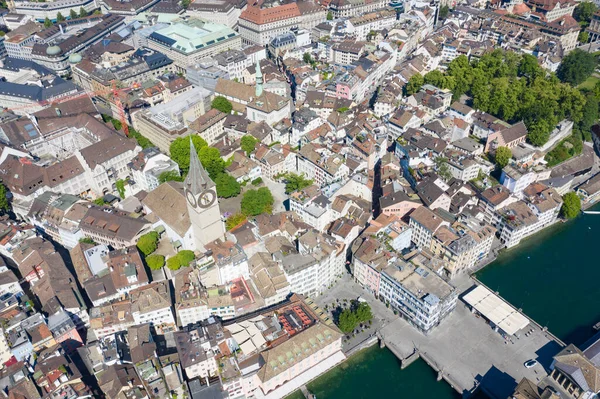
177	244
159	229
496	310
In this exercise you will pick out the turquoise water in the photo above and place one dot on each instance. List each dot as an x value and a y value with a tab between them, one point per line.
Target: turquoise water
375	373
554	277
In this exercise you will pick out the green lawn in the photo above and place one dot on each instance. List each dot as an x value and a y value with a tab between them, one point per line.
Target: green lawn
589	83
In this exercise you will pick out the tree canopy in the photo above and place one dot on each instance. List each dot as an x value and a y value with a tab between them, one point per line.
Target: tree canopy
155	262
359	312
294	182
82	12
329	16
182	259
222	104
576	67
234	220
444	10
571	205
503	155
414	84
583	12
47	23
248	143
256	202
515	88
4	204
148	243
227	186
59	17
73	14
180	150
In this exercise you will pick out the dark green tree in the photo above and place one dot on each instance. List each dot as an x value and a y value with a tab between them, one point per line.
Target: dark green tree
227	186
210	157
155	262
148	243
584	11
571	205
180	150
222	104
248	144
87	240
82	12
99	201
435	78
583	37
4	204
72	14
329	16
256	202
444	10
186	3
576	67
307	58
414	84
47	23
59	17
347	321
363	312
502	157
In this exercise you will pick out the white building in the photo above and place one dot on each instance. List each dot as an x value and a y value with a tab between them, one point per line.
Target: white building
147	167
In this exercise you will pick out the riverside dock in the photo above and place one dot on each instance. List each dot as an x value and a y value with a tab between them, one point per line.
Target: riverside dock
468	354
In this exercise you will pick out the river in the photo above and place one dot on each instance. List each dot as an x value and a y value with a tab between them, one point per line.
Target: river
553	276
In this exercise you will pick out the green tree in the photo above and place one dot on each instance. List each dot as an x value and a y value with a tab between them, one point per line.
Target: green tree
210	157
4	204
87	240
576	67
222	104
227	186
434	77
99	201
171	175
97	12
442	168
256	202
294	182
583	37
186	3
502	157
414	84
173	263
234	220
584	11
363	312
47	23
571	205
82	12
529	67
347	321
59	17
180	150
461	70
155	262
72	14
329	16
120	184
307	58
444	10
248	143
185	257
148	243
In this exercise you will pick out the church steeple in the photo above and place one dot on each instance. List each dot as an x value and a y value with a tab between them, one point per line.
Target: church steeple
259	80
197	179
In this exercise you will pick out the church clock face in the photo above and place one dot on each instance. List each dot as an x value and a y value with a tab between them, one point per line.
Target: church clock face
207	198
190	198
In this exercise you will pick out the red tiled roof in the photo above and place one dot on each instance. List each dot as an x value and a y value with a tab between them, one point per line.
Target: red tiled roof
261	16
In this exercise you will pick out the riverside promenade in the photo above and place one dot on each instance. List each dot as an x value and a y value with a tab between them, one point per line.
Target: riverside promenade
467	353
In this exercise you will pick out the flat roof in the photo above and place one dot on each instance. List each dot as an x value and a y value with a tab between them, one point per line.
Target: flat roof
496	310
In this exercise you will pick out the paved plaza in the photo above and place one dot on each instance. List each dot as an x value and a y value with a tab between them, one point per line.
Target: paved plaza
467	350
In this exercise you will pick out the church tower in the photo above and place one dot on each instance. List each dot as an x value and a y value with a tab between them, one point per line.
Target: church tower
259	80
202	204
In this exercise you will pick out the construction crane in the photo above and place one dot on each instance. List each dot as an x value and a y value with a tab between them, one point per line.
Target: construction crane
120	109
